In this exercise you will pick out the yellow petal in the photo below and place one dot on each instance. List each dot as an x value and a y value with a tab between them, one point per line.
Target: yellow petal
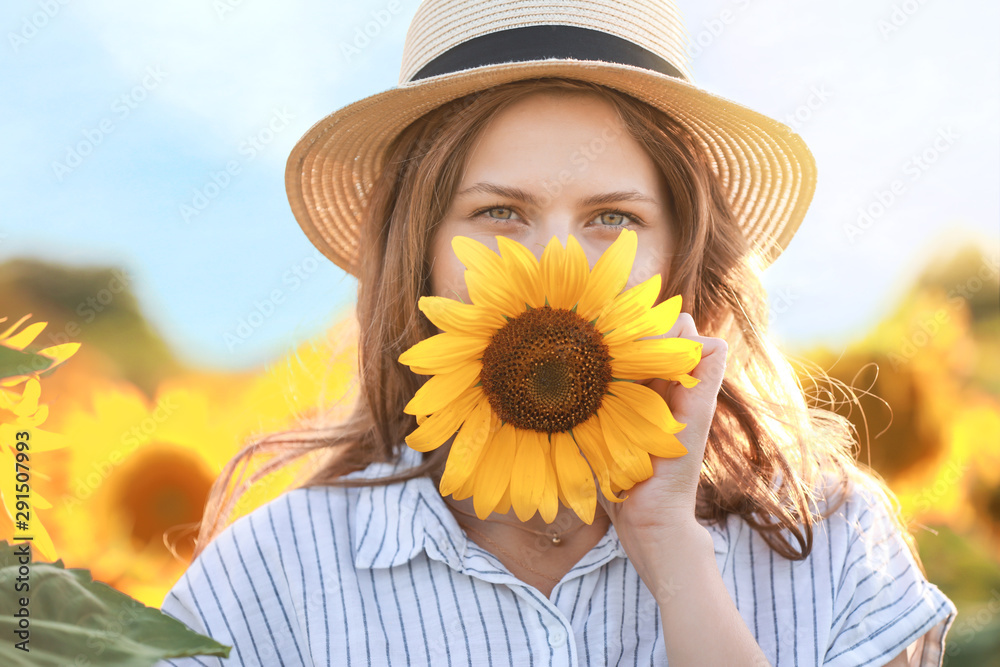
575	479
492	292
467	449
9	330
656	321
527	480
577	272
630	306
493	475
522	271
548	507
654	358
609	276
647	403
13	380
590	439
59	353
564	272
442	389
444	352
503	506
440	426
632	462
23	338
552	268
33	419
467	488
476	256
450	315
639	431
686	380
28	404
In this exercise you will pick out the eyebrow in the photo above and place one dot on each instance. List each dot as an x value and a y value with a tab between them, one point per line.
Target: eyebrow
525	196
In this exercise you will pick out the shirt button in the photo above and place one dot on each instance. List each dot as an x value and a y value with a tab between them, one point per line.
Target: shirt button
557	637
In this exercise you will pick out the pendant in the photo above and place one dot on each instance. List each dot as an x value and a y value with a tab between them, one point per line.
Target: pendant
556	540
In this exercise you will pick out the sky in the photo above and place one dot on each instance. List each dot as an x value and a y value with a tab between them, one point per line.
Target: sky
153	137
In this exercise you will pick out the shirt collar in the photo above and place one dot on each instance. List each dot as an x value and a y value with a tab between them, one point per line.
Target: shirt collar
395	522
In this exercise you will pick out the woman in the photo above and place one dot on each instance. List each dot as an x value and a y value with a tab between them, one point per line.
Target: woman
764	544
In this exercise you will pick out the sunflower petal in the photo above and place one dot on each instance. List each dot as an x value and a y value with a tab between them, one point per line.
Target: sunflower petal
553	271
630	305
609	276
654	322
503	505
476	256
647	403
455	316
576	481
440	426
548	508
631	461
12	328
654	358
686	380
471	441
24	337
642	433
487	291
59	353
590	440
442	389
523	271
443	352
467	488
493	474
28	404
527	481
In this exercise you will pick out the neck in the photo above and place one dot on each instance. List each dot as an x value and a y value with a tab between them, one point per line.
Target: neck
573	533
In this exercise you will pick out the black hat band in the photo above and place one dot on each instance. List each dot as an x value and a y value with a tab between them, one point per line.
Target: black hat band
540	42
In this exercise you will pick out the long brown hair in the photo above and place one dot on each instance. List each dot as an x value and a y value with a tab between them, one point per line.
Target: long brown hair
774	457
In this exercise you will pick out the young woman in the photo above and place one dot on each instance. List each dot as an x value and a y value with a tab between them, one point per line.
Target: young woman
764	544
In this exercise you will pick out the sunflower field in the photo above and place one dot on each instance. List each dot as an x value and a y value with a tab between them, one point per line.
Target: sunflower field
138	436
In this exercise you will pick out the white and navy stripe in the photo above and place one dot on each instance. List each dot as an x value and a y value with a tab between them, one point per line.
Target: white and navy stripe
385	576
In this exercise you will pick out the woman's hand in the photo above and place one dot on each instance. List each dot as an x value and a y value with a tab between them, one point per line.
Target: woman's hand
659	512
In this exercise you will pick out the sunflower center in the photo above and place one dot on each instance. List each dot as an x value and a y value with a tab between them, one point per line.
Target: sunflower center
546	370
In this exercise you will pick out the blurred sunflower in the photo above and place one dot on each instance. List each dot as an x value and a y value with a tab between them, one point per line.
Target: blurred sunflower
539	377
138	468
21	413
142	468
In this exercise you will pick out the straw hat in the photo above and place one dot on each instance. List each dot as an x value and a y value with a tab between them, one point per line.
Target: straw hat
457	47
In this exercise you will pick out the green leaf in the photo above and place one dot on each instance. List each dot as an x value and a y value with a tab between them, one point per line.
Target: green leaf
74	620
15	362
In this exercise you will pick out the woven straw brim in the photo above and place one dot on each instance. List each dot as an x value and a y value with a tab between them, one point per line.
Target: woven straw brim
766	169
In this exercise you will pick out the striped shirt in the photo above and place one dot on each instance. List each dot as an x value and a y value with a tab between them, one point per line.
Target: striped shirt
384	575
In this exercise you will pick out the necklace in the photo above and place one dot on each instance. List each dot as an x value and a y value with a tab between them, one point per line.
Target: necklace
509	555
556	538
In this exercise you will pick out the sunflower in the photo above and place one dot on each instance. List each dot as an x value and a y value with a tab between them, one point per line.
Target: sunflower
20	416
539	377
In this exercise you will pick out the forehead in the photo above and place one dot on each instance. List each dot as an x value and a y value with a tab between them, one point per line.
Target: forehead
569	139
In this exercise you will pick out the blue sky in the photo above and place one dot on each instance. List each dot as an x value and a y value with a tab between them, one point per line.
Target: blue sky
899	102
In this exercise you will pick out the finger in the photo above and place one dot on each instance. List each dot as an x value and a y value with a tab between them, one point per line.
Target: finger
684	327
